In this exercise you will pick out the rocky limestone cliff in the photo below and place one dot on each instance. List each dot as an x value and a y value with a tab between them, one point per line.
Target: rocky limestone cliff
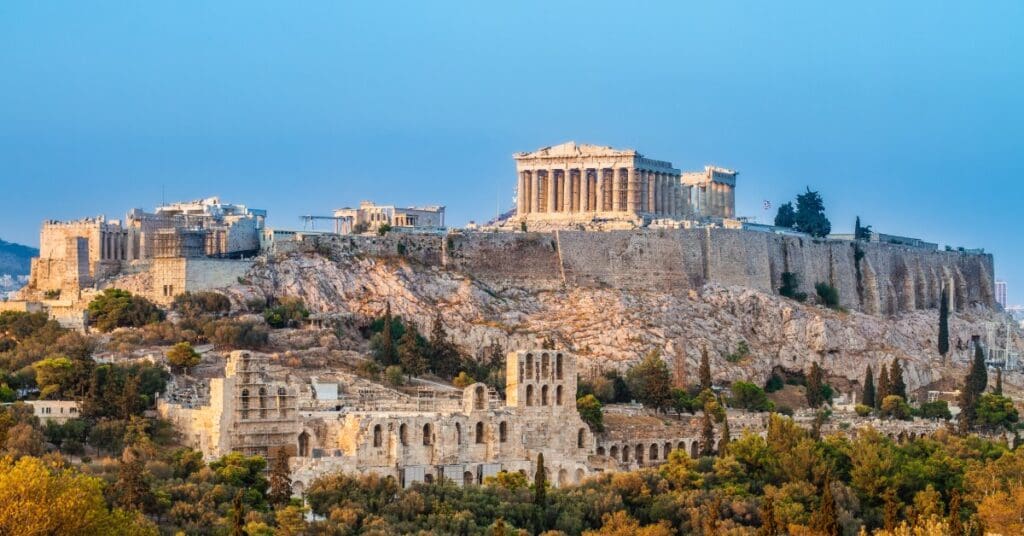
611	327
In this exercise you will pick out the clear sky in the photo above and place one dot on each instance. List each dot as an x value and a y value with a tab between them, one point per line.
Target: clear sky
909	114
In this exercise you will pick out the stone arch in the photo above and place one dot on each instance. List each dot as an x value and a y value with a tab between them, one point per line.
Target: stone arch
580	475
468	479
639	452
378	436
563	477
614	452
502	432
479	432
479	397
545	366
681	446
544	395
529	366
245	400
263	402
653	454
558	366
458	433
428	434
304	444
668	449
694	452
529	395
600	451
403	436
581	437
428	478
558	395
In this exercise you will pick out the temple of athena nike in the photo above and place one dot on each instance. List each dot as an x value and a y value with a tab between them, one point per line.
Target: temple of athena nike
577	184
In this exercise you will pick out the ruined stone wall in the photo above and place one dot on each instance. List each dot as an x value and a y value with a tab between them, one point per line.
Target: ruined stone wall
174	276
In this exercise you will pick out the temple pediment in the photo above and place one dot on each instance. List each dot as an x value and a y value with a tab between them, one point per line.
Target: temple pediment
572	149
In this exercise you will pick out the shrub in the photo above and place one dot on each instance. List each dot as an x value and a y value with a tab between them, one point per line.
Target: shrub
289	312
895	407
748	396
742	352
590	411
863	410
774	383
236	333
463	380
934	410
183	356
790	284
828	295
116	308
383	229
194	304
394	375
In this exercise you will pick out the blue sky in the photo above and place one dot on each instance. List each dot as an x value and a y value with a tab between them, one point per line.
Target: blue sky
909	114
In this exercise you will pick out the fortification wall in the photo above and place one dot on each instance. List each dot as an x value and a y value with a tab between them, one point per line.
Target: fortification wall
875	278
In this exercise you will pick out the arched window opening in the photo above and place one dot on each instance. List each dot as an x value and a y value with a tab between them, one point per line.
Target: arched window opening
600	451
479	432
545	367
428	433
529	366
478	397
402	437
558	366
654	452
468	479
614	452
581	435
458	433
639	454
544	395
503	431
377	436
304	444
529	395
558	395
245	399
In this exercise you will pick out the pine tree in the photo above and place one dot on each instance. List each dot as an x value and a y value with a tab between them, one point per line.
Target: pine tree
897	386
944	323
723	443
707	434
280	480
882	390
868	397
815	382
134	492
705	369
387	342
998	389
131	401
444	358
826	519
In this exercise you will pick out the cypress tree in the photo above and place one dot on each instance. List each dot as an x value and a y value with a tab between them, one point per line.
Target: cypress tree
707	433
868	398
974	385
897	386
540	483
944	323
956	527
769	524
998	389
815	381
705	369
827	518
237	516
883	386
280	491
723	443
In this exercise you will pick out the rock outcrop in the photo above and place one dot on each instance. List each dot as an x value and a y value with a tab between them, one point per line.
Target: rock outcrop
610	327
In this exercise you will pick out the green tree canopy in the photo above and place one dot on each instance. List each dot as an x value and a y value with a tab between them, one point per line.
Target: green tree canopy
116	308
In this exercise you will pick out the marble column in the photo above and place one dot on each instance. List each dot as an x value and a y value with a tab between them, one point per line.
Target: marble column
599	188
649	199
584	190
552	191
632	190
535	191
570	191
521	198
616	190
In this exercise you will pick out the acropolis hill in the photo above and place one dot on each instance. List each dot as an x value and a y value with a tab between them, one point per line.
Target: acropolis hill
670	269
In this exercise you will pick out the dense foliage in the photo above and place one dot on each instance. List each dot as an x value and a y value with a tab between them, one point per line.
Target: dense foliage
116	308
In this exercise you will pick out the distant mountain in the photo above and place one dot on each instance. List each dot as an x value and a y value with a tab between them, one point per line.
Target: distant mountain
15	258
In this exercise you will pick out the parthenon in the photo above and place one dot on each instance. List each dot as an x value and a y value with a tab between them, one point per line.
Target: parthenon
577	183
